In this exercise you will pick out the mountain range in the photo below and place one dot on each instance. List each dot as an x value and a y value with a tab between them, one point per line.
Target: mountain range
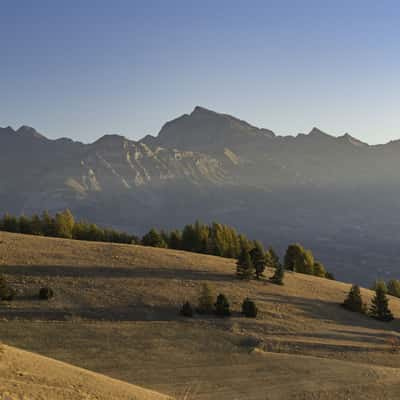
336	195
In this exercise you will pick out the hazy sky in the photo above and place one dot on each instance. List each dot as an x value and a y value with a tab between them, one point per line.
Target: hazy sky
85	68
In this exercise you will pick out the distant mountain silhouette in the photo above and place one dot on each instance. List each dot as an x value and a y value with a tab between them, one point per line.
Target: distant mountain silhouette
338	195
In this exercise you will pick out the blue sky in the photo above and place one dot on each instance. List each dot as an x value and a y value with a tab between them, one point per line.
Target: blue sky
85	68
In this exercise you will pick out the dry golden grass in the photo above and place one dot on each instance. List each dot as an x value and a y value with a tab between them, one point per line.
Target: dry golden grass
25	375
116	312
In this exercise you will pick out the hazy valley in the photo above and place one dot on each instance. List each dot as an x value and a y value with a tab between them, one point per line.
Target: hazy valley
336	195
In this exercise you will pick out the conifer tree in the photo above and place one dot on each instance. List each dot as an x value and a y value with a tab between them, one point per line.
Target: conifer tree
301	260
64	224
244	265
319	269
175	240
10	223
222	306
25	225
393	287
379	283
380	305
353	301
257	255
154	239
36	225
292	254
187	310
279	275
249	308
271	258
48	224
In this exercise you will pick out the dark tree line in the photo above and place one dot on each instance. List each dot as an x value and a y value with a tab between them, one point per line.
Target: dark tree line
299	259
62	225
253	260
215	239
392	286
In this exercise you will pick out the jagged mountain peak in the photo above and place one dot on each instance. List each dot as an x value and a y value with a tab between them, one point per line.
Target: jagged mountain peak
204	129
28	131
203	112
352	140
8	130
316	132
111	140
24	134
199	110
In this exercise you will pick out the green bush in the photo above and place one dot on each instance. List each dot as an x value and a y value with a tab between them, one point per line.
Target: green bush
249	308
46	293
222	306
187	310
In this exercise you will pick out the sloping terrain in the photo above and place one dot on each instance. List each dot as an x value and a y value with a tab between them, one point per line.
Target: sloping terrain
116	307
25	375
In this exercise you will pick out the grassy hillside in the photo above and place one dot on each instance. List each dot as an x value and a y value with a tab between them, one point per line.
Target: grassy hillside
26	375
115	312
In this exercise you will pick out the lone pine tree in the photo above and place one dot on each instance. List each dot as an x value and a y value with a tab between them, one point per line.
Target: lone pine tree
222	306
187	310
257	255
244	265
154	239
353	301
380	305
249	308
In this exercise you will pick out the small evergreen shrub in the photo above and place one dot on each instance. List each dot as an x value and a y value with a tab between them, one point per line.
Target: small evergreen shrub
329	275
222	306
249	308
353	301
187	310
278	276
46	293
